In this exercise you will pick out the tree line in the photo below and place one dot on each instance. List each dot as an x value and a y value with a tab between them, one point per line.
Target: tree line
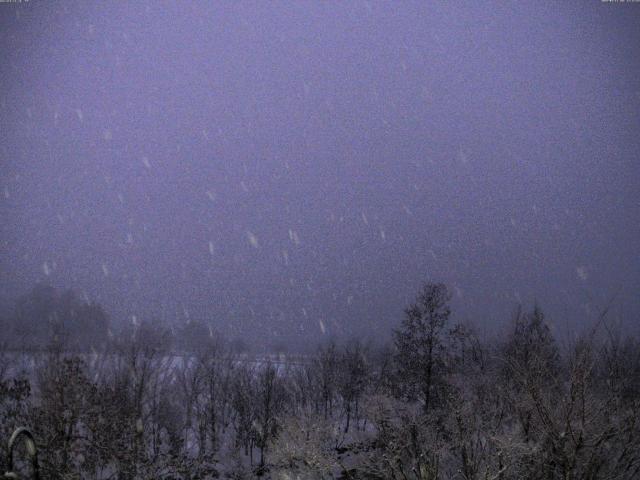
437	402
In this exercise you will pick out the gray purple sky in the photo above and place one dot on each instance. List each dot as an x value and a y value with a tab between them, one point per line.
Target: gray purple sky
298	169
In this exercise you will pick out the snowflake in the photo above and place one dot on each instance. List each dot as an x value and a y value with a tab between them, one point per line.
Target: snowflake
253	240
582	273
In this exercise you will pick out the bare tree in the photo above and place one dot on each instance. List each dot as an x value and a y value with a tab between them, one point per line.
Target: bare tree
271	397
244	399
420	344
214	407
189	375
353	380
62	415
531	361
326	364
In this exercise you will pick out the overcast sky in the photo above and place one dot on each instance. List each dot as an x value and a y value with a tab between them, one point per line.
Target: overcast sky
300	168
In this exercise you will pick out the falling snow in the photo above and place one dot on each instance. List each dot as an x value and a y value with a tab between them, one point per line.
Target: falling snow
293	236
253	240
582	273
327	179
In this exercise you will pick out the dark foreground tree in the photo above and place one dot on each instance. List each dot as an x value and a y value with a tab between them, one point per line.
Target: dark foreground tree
419	343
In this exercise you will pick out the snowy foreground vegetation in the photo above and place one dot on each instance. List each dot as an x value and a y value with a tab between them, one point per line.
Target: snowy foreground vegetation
438	402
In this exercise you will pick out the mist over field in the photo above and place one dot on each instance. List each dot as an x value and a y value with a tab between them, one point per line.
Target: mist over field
240	227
